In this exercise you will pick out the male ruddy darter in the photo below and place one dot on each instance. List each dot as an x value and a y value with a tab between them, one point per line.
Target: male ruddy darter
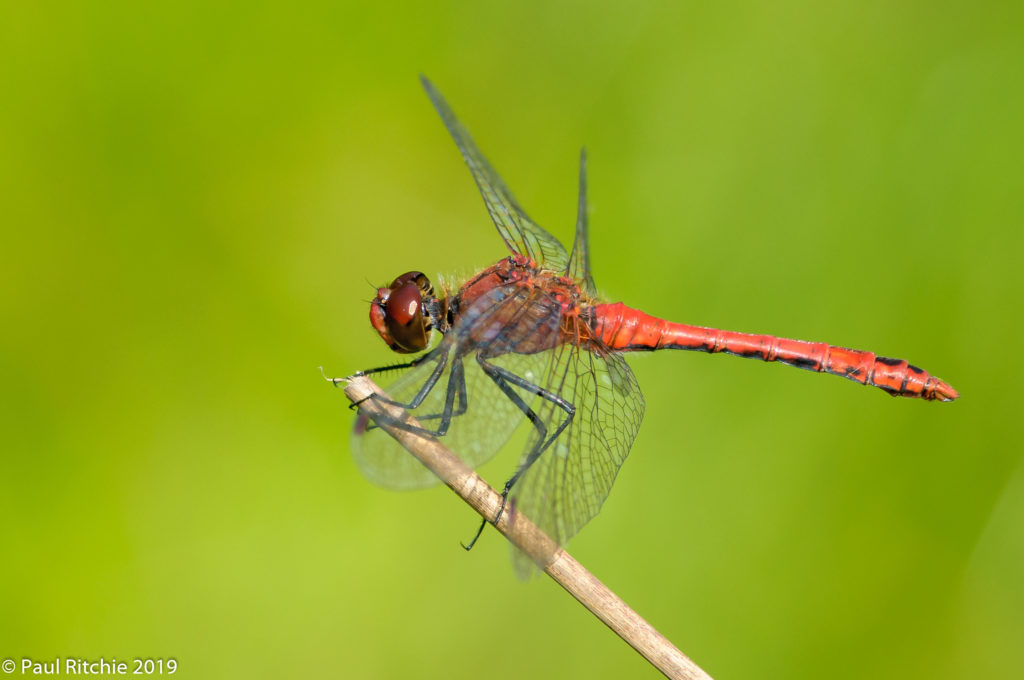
528	339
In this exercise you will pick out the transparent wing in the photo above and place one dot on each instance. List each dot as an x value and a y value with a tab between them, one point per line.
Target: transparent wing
475	435
521	234
483	418
566	486
579	260
569	482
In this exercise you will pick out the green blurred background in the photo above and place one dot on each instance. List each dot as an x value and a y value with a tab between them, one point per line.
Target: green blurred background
198	199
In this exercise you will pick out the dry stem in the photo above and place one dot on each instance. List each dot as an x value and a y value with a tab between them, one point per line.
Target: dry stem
555	561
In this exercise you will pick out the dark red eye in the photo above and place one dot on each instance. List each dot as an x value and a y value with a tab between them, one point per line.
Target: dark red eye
397	313
419	278
403	305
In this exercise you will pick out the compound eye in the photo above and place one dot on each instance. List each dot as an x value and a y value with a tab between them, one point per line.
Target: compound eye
403	305
419	278
405	320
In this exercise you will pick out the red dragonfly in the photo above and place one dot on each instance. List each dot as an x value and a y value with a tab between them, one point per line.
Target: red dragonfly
527	339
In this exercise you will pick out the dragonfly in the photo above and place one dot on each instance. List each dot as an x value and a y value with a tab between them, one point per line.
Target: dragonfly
528	340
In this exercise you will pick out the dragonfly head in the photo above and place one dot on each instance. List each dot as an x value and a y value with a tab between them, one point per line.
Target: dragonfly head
405	313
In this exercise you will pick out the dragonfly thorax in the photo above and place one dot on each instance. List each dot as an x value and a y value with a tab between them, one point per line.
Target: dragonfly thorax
405	313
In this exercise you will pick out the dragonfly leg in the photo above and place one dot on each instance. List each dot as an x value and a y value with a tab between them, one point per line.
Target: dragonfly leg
381	369
542	445
436	355
455	392
505	379
456	388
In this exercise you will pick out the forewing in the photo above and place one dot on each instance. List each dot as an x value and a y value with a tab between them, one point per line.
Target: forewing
489	417
521	234
579	260
475	436
569	482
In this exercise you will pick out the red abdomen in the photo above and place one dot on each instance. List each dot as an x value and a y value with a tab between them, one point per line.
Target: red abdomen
624	329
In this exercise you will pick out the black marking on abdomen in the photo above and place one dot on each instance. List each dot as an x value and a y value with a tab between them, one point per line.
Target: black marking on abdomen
644	348
746	354
801	362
